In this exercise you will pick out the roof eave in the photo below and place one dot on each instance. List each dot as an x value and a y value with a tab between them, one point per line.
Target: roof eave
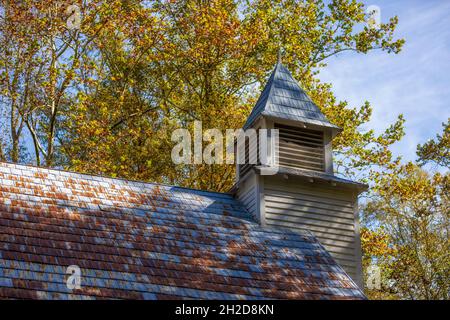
315	176
335	130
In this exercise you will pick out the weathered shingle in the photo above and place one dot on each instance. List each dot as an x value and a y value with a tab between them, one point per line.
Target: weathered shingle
283	98
135	240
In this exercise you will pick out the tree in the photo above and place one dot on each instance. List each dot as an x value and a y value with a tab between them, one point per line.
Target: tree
42	66
411	210
436	151
18	73
207	61
378	252
106	97
118	125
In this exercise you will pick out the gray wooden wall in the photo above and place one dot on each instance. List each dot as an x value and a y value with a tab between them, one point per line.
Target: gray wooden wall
328	212
248	194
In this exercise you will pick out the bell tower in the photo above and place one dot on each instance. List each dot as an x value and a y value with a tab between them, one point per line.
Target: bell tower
303	192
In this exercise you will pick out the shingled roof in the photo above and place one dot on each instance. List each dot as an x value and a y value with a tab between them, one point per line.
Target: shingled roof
283	98
148	241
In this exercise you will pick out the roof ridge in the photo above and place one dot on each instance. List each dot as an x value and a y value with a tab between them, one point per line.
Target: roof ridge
268	85
272	85
111	178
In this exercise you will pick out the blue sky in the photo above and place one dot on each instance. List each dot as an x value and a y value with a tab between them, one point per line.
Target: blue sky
416	82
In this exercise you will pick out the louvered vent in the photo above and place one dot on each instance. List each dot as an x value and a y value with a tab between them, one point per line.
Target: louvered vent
301	148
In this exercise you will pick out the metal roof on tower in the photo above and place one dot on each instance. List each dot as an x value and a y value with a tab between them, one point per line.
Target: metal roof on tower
283	98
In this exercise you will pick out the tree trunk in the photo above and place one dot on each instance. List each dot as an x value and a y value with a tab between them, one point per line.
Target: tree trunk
15	136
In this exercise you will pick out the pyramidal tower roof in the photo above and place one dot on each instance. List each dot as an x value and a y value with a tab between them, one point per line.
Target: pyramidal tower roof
283	98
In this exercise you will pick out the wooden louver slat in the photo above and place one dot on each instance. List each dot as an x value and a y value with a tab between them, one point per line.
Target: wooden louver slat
301	148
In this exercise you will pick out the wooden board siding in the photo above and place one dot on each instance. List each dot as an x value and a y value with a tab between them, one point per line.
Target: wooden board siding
248	195
249	201
328	212
250	148
301	148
